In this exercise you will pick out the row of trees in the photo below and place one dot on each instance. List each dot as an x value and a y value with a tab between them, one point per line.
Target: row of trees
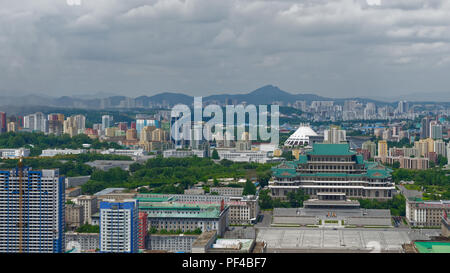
68	165
173	175
295	200
397	204
38	141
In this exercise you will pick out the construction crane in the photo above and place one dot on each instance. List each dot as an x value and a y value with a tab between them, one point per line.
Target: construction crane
20	167
21	193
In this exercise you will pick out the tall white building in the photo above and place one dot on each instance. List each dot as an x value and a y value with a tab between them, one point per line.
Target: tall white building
119	226
448	152
439	148
34	223
106	121
334	136
436	131
36	122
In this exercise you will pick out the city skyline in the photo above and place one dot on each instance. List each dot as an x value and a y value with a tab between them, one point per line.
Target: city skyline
346	48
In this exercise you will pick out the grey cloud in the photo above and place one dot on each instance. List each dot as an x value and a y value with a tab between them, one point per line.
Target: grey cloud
331	47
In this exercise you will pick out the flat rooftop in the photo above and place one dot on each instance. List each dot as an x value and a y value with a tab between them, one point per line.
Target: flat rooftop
344	213
433	247
204	238
327	240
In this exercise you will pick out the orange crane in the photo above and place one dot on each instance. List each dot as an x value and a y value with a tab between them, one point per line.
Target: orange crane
21	224
20	165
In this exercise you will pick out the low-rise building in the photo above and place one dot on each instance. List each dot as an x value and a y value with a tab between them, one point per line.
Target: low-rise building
243	210
246	156
54	152
132	153
426	213
230	191
414	163
82	242
89	204
183	153
14	153
171	242
173	216
74	216
445	226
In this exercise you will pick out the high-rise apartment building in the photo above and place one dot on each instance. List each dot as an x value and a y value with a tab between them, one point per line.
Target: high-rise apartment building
382	148
436	131
33	221
371	147
334	135
119	226
425	127
143	121
2	122
143	229
106	121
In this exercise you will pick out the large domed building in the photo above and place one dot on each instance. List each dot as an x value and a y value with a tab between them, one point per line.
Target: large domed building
301	136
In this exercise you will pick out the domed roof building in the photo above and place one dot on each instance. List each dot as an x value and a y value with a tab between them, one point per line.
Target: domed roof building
301	136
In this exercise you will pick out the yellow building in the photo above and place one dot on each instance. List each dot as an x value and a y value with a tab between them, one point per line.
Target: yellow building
382	148
159	135
110	132
277	152
12	127
296	153
131	134
424	146
146	133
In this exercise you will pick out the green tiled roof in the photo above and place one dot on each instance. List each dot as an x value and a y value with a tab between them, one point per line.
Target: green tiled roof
175	206
302	159
331	174
330	149
433	247
204	214
153	199
359	159
377	173
284	172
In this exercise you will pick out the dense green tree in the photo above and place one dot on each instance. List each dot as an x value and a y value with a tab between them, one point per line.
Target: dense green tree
215	154
86	228
296	198
249	188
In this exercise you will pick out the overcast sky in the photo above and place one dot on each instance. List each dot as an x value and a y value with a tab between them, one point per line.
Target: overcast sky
335	48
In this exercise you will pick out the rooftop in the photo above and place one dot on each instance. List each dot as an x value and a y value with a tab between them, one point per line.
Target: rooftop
433	247
331	149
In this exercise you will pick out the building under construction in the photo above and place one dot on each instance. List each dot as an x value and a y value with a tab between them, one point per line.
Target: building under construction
31	211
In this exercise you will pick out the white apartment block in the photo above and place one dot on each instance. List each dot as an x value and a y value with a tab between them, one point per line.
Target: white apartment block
14	153
53	152
43	211
119	226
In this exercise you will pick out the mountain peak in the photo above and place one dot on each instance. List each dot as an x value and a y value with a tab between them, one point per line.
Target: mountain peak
268	90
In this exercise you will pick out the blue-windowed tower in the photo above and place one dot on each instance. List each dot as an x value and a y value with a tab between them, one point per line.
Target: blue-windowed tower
119	226
38	227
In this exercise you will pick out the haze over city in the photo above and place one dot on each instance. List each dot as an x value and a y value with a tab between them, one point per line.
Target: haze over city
333	48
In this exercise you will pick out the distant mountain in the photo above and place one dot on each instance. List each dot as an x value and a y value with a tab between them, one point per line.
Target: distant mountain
171	98
264	95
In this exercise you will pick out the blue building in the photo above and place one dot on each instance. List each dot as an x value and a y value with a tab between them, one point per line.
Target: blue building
119	226
36	223
144	120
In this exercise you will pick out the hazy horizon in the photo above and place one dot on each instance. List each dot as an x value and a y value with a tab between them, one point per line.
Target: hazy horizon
332	48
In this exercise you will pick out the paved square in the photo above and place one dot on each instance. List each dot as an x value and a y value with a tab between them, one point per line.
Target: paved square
328	239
